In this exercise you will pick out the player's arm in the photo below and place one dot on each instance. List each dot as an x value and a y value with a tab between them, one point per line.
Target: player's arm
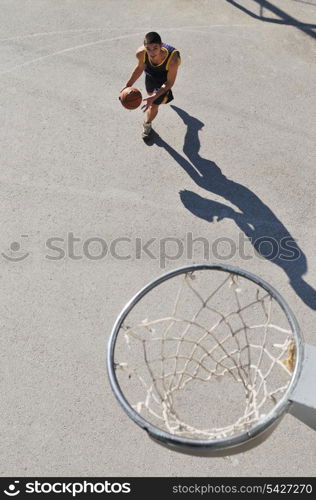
139	68
171	77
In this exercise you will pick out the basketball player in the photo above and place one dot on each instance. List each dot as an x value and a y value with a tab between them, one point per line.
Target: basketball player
160	62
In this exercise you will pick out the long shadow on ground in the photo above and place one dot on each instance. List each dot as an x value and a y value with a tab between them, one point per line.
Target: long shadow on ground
265	231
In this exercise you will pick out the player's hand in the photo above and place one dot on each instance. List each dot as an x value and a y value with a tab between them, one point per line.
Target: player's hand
148	102
122	91
125	87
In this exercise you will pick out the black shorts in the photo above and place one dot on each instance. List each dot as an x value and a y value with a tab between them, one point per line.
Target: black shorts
152	85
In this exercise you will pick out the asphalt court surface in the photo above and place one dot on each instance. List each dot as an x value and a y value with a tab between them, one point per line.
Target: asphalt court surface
233	159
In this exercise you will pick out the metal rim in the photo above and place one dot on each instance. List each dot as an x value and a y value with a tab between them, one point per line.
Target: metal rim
215	444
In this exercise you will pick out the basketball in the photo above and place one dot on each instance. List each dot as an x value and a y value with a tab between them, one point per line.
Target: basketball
131	97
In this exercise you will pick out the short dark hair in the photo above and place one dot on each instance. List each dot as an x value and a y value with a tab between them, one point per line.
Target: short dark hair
152	37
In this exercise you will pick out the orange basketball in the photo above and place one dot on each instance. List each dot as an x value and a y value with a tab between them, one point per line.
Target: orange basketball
131	97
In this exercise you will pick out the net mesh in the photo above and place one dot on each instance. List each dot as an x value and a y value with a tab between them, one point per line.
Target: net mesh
205	355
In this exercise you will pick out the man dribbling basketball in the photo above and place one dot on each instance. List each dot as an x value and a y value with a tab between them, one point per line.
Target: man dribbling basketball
160	62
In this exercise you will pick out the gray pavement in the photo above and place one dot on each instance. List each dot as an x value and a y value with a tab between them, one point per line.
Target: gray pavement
73	166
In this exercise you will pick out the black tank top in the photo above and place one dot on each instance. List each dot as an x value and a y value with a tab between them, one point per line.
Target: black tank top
160	71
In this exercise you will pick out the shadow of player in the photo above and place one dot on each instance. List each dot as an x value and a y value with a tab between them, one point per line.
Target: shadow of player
265	231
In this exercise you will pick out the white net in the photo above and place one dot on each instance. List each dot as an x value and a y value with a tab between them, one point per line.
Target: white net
205	355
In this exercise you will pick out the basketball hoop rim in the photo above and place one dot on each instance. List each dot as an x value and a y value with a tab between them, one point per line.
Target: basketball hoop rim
212	444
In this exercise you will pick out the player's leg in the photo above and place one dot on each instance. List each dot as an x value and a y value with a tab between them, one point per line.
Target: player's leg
153	110
151	86
150	116
151	113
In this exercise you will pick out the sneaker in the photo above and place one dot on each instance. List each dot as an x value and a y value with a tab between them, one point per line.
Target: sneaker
146	130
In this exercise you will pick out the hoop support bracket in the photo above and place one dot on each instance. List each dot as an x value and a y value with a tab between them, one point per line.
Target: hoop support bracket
303	397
